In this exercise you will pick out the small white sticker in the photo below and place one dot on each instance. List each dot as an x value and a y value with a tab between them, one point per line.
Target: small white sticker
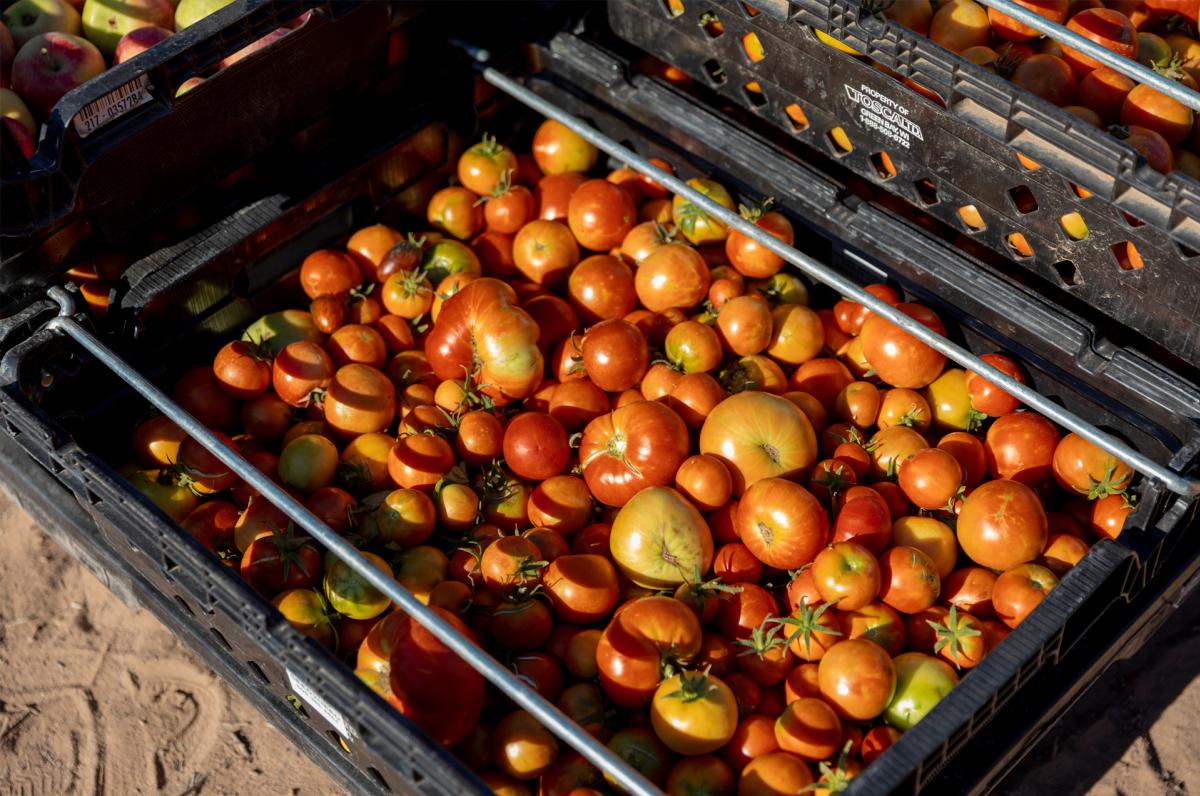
112	105
312	699
878	111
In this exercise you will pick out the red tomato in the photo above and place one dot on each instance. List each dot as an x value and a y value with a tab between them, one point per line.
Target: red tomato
744	325
644	635
823	379
969	452
751	259
673	275
896	356
810	729
876	622
485	166
241	372
970	589
1081	467
1110	29
909	579
1019	590
782	523
1108	515
481	332
581	588
600	214
1020	446
734	563
506	212
636	446
857	679
553	194
601	288
1002	524
847	575
545	252
558	148
360	400
931	478
535	446
456	212
1008	28
705	481
615	355
201	396
987	397
327	272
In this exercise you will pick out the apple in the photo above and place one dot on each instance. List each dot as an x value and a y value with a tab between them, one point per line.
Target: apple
189	12
20	135
13	107
8	51
106	21
137	41
50	65
29	18
253	47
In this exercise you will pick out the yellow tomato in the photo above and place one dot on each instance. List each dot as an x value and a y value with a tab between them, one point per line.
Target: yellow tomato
695	224
165	492
930	536
694	713
950	402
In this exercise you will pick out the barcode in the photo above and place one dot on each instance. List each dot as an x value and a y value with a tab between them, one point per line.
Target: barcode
112	105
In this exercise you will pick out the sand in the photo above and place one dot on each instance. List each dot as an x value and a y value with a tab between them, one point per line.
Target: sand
95	698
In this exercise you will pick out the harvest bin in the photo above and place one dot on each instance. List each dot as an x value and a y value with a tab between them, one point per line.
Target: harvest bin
962	152
177	307
92	180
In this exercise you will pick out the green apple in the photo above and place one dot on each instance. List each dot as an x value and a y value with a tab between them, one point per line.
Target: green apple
106	21
28	18
189	12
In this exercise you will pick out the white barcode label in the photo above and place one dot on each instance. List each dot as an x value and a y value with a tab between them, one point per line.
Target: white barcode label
112	105
312	699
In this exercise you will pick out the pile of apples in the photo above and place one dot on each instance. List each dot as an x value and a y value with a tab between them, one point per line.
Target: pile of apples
49	47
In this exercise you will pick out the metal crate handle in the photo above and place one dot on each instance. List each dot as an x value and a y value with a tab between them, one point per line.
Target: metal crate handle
545	711
820	272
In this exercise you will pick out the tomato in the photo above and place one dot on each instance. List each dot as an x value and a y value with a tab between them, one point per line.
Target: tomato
900	407
645	634
829	479
545	252
1019	590
212	524
511	563
600	215
535	446
822	378
673	275
847	575
363	463
1155	111
1046	76
750	258
987	397
1008	28
308	463
519	623
758	435
407	294
857	679
370	246
456	212
931	478
281	561
693	222
754	372
561	503
360	400
404	254
1082	467
641	749
878	623
447	257
782	523
858	403
744	325
930	536
300	370
909	579
349	593
644	239
156	442
584	702
509	208
427	682
659	539
201	471
960	24
636	446
327	272
482	332
418	461
705	481
810	729
812	630
1110	29
1002	524
615	355
581	588
734	563
485	165
1108	515
602	288
693	347
457	507
753	738
578	402
1103	90
553	194
877	741
896	356
891	447
774	774
970	454
700	776
406	517
921	682
694	713
1020	446
557	148
265	418
1063	551
241	371
796	334
306	611
201	396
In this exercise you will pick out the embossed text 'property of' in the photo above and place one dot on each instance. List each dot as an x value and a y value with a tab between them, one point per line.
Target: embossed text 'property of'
880	112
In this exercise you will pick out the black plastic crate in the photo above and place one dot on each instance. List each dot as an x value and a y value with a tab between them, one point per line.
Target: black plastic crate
963	152
205	296
104	181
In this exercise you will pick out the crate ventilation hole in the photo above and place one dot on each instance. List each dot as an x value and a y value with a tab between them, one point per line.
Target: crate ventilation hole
797	118
839	142
883	165
711	24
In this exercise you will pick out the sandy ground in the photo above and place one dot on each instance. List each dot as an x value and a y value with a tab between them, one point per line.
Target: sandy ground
97	699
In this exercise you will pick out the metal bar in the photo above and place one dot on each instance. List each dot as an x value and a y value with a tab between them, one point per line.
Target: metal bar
1126	66
547	713
822	273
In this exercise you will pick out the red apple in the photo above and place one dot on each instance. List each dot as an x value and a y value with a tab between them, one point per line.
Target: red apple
106	21
254	47
50	65
8	51
20	135
137	41
13	107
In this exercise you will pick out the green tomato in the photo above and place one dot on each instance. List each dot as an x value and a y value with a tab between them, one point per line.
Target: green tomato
309	462
695	224
276	330
349	593
783	288
448	257
922	681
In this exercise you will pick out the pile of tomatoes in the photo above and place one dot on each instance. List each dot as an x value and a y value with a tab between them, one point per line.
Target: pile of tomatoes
1160	34
745	542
